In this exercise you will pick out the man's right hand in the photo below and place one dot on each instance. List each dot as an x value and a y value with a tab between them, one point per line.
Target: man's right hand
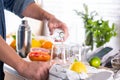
35	70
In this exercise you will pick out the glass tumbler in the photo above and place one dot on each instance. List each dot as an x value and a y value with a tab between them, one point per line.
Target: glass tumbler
58	54
74	52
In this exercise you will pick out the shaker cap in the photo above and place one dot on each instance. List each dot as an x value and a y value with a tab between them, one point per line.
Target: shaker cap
24	22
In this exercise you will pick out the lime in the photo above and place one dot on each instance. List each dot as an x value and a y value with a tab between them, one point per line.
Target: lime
95	61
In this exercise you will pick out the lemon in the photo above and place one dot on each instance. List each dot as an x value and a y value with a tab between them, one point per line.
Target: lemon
42	40
35	43
95	61
78	67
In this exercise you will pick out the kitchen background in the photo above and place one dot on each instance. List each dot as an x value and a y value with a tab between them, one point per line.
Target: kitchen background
63	9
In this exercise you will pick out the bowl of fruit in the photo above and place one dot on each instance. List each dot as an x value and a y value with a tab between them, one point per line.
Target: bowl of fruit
41	47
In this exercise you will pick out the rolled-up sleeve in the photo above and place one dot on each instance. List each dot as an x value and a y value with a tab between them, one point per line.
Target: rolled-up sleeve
17	6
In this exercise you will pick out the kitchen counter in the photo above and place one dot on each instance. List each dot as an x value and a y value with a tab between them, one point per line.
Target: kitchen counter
11	74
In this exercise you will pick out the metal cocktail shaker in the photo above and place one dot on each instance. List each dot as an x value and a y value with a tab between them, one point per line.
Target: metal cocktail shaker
23	40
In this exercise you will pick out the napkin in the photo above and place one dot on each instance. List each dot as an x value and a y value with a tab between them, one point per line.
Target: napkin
104	75
117	75
58	72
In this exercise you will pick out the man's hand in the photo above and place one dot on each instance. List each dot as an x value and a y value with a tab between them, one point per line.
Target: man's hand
54	23
41	14
35	70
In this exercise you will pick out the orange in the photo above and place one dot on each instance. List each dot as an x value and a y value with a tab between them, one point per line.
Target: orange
47	44
13	44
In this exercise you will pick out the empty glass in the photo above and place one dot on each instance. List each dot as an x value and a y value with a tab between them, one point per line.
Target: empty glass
74	52
66	53
59	52
84	53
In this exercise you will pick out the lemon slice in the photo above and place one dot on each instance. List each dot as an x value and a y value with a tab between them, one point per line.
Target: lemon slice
78	67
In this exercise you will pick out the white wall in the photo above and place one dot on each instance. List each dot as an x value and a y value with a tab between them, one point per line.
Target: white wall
109	10
63	9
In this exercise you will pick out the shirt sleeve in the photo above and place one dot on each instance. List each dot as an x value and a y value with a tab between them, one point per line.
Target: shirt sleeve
17	6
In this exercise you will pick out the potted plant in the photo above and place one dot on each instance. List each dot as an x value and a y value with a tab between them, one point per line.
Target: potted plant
97	31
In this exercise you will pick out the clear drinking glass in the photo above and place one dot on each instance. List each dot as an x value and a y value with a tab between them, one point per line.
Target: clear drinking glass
74	52
84	53
58	50
59	53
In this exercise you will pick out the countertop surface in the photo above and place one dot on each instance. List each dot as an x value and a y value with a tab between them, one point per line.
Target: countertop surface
11	74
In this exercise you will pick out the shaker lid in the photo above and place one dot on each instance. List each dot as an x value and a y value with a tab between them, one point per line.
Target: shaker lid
24	22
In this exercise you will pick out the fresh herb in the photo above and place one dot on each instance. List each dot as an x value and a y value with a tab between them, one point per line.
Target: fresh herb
98	32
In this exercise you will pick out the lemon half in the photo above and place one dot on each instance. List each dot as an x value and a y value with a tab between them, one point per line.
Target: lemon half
78	67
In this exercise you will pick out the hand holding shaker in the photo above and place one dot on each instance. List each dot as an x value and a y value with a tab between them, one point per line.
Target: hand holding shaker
23	39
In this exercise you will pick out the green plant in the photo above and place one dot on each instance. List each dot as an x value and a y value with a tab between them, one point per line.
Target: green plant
98	32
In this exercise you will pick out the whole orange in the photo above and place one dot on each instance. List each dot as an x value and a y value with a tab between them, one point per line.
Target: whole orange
47	44
13	44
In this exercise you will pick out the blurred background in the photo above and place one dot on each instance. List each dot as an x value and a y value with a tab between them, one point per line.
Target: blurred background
63	10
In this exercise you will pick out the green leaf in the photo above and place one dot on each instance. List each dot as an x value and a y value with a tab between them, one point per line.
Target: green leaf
14	37
75	60
98	31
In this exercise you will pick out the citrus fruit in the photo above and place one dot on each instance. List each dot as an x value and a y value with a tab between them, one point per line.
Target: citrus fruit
13	44
42	40
39	56
95	62
47	44
35	43
78	67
